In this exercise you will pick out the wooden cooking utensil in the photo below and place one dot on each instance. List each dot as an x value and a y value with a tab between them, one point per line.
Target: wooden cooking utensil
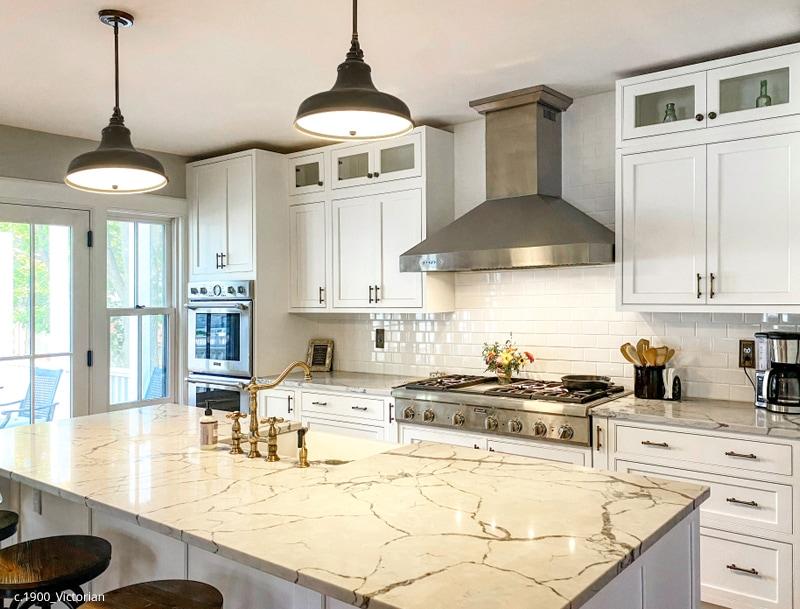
661	355
642	346
651	356
670	355
629	353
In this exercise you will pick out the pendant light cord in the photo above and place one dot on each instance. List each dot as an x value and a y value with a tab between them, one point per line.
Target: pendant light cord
355	52
117	113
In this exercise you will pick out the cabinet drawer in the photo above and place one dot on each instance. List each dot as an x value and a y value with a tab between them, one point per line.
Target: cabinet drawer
739	571
539	452
731	504
343	428
344	405
712	450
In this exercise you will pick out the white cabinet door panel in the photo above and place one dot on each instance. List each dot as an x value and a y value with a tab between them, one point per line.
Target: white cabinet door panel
278	403
401	229
240	217
664	226
754	220
356	251
210	186
307	255
644	105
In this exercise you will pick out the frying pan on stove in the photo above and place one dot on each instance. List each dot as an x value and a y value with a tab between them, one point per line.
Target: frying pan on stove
576	382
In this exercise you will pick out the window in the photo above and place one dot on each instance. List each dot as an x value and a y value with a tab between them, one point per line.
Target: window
141	313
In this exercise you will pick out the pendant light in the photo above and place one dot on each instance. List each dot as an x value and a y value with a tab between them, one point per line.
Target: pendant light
353	109
116	167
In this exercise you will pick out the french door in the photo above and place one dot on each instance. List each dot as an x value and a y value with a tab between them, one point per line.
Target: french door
44	314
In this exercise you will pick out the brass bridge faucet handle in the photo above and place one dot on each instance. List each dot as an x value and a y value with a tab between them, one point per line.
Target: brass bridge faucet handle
272	438
236	432
302	449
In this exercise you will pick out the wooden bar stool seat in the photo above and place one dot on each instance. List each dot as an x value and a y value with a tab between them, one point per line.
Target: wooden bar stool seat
36	573
8	524
163	594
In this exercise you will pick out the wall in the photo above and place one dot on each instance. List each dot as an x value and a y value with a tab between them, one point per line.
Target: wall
566	317
35	155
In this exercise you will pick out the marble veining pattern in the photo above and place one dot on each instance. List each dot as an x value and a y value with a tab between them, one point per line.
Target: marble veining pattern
391	531
719	415
351	382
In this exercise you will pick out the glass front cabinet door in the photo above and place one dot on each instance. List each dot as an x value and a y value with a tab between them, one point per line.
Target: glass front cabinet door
398	158
352	166
307	174
754	90
664	106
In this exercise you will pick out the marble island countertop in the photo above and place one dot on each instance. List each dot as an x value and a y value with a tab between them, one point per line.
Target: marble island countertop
401	529
719	415
352	382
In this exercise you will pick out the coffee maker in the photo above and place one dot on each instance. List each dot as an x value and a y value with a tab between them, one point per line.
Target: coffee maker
778	371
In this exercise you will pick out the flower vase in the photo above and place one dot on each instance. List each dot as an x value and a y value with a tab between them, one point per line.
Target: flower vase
503	377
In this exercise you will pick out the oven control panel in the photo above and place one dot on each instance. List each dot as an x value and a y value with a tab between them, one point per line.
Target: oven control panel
221	290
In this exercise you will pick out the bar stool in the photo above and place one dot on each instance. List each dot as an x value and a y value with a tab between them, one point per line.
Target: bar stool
8	524
163	594
34	573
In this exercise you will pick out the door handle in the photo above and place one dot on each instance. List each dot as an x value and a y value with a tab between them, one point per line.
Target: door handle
217	257
711	287
377	288
370	294
699	293
289	404
391	414
321	295
222	264
598	430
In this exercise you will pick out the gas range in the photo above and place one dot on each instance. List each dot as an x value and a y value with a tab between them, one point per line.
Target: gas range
533	409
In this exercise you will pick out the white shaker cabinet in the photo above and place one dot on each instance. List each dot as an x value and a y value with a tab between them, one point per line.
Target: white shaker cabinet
281	403
221	198
663	225
754	221
356	251
401	229
308	255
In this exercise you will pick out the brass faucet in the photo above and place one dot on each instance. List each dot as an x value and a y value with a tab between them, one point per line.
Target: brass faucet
253	388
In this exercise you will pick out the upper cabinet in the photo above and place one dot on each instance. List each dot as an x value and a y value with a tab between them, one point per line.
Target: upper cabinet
720	93
708	207
346	237
221	199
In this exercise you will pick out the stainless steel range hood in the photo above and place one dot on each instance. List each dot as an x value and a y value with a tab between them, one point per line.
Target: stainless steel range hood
524	223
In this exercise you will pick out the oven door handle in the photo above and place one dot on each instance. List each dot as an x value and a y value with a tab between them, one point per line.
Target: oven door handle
234	385
231	305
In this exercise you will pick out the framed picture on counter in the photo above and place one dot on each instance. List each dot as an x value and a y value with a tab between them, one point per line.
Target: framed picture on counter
319	356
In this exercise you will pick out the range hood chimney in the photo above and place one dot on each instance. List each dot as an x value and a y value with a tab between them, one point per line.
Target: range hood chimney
524	223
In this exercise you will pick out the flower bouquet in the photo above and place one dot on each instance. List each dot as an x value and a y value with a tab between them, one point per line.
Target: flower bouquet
505	360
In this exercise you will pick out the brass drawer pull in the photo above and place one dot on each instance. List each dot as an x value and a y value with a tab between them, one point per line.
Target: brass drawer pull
362	408
656	444
733	567
731	453
320	403
740	502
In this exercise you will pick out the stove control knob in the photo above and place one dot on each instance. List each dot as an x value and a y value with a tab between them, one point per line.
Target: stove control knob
565	432
408	413
492	423
428	416
459	419
217	290
203	291
539	429
515	426
231	290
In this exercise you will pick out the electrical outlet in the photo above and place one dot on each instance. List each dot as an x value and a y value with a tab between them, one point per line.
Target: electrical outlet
747	354
379	338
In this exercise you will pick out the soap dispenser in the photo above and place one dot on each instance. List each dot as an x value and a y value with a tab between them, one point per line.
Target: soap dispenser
209	430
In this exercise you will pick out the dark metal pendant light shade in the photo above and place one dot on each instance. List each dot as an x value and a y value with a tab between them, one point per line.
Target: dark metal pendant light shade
353	109
116	167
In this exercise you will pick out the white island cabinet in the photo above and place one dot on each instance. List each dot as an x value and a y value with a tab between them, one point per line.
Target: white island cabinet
435	525
707	186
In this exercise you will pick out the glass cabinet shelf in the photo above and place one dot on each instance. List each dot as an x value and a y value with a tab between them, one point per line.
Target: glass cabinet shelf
652	108
743	92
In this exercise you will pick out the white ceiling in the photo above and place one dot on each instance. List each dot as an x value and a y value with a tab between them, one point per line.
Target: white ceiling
208	75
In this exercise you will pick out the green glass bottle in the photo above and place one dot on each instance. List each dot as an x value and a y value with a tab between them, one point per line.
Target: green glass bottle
763	100
669	113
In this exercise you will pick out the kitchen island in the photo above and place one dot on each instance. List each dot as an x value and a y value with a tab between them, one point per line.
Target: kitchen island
414	527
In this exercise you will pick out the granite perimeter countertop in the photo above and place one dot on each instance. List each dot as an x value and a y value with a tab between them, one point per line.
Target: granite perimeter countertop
719	415
352	382
390	530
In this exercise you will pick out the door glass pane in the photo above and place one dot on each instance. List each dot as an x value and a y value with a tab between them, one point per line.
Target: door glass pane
15	392
52	388
119	263
217	398
306	175
217	336
665	106
124	359
53	288
397	158
353	166
152	270
154	356
15	289
754	90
